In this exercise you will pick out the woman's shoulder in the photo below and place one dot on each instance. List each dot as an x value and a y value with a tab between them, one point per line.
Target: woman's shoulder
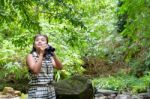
34	54
29	55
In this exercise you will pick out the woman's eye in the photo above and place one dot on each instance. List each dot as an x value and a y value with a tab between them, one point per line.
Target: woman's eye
43	40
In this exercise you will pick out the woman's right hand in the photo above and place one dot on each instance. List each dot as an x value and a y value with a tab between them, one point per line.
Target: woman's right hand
42	49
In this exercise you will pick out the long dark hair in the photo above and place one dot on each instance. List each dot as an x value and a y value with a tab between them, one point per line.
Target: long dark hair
33	48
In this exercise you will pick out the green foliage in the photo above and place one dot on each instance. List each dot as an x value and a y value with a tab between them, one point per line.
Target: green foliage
28	12
78	29
15	69
67	25
136	33
24	96
27	16
12	62
7	52
108	83
124	83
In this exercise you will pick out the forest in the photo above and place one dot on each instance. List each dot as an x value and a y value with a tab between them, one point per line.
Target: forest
105	40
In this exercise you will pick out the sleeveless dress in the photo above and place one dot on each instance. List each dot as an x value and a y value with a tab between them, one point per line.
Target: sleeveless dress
41	87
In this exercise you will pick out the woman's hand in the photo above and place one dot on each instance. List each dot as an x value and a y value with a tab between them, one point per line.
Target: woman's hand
42	49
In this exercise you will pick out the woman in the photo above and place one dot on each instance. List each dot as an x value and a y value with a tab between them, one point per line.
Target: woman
40	63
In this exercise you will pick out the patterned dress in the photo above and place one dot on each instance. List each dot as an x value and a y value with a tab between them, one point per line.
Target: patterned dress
41	87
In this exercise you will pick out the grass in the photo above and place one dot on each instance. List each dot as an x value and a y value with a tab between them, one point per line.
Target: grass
122	83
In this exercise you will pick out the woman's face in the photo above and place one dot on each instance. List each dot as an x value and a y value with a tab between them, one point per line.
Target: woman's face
40	41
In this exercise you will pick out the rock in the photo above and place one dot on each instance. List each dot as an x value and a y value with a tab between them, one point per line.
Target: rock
112	96
7	90
1	93
145	95
10	93
106	92
122	96
98	95
17	93
102	97
76	87
135	97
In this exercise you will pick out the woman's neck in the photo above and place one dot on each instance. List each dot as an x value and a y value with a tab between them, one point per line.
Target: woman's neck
37	52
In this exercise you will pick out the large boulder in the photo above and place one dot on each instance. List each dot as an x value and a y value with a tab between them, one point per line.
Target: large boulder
76	87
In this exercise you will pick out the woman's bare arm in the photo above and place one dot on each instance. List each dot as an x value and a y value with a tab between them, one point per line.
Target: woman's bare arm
56	62
33	65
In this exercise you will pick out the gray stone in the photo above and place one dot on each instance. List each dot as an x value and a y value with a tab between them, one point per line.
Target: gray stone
122	96
76	87
135	97
98	95
144	96
106	92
